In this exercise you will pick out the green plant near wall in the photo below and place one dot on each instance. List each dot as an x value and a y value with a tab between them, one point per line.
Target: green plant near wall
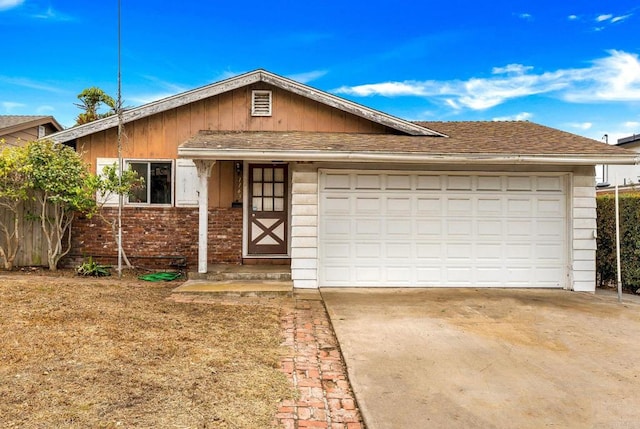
92	268
606	264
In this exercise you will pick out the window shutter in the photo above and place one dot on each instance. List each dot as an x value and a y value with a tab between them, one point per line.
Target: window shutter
186	183
110	199
261	103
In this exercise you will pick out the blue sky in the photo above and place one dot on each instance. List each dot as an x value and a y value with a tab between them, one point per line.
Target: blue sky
568	64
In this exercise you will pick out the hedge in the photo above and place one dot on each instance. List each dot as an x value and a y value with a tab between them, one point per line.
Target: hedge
606	266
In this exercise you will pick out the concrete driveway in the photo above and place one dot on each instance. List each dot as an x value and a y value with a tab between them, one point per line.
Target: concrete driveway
497	358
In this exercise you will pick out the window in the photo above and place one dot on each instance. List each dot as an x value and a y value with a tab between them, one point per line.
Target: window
260	103
157	187
41	131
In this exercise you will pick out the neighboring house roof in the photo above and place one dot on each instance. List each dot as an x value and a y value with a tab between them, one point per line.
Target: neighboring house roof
230	84
479	142
12	123
629	141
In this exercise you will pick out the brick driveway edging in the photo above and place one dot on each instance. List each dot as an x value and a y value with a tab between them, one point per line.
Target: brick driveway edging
315	369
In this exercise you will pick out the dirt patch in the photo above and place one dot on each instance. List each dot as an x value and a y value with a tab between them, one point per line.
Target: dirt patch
103	353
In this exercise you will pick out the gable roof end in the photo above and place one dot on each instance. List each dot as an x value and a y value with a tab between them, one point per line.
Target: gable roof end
230	84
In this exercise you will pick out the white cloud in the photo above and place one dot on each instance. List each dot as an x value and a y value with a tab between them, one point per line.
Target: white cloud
620	18
308	76
601	18
615	77
631	124
511	69
581	125
9	4
572	17
10	106
28	83
44	109
526	16
52	15
523	116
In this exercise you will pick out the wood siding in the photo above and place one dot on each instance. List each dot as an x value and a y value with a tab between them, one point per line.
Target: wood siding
158	136
20	137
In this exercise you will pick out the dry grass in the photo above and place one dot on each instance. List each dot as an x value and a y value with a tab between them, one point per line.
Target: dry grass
103	353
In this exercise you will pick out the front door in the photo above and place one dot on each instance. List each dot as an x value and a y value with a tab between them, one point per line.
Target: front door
268	209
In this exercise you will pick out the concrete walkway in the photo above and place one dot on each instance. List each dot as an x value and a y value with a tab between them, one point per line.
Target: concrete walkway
499	358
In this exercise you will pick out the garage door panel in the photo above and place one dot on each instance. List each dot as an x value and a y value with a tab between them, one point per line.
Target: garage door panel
459	183
459	252
429	252
429	227
519	206
550	206
521	228
519	183
371	205
490	183
398	227
336	204
460	206
429	276
420	229
399	206
367	228
490	229
371	251
428	183
367	275
489	206
459	276
459	227
553	184
399	274
336	227
401	182
336	251
489	252
401	250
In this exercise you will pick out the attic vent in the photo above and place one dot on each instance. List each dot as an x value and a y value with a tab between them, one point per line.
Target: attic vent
260	103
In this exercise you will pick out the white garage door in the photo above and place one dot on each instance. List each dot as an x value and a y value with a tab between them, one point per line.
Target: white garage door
418	229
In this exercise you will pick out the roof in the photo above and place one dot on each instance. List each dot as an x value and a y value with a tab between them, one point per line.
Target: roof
238	82
631	140
12	123
481	142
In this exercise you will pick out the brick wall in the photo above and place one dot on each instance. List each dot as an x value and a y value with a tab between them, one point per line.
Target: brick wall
149	232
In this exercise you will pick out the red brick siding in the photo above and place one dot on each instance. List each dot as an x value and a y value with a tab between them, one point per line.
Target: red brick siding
151	232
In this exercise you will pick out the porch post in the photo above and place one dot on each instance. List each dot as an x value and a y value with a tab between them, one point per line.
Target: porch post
204	172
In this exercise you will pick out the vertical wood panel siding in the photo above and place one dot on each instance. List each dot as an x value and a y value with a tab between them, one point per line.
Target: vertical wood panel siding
304	227
583	204
158	136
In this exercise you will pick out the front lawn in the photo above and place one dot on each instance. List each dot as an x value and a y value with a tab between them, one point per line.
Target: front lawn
104	353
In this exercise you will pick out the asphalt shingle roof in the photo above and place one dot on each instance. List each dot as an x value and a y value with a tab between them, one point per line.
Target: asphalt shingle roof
497	138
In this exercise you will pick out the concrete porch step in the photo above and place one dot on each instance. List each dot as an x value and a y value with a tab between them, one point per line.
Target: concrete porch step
263	288
244	273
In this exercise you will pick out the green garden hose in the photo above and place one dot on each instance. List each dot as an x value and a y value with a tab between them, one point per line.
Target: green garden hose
160	277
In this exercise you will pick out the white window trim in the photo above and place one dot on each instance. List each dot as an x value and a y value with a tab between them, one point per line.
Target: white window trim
126	163
257	92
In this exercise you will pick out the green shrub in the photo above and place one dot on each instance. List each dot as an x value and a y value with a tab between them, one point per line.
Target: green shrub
606	265
92	268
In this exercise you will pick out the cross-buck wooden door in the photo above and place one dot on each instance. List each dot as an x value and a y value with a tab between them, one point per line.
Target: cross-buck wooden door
268	209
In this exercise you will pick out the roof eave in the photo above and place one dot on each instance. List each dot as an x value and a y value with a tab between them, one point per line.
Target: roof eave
408	158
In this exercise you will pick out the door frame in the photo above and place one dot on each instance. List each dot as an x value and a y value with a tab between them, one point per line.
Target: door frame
246	211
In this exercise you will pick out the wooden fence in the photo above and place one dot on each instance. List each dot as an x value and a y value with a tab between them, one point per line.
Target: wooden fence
33	244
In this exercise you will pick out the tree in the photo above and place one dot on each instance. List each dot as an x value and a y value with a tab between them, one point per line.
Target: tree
63	186
14	191
110	184
92	100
